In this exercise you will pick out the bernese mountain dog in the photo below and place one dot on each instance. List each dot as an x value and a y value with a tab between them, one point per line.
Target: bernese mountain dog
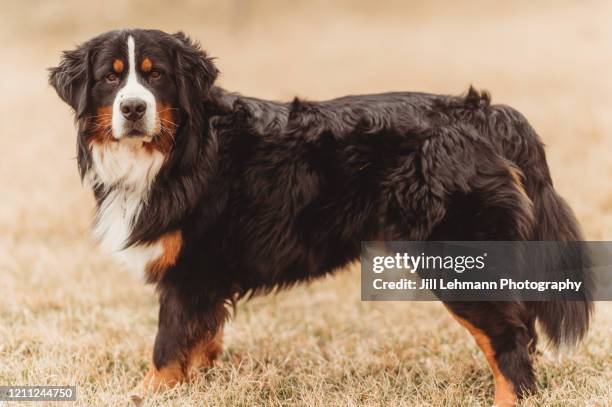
215	196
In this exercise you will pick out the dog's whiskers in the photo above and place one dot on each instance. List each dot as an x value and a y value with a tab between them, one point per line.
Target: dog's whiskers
165	110
168	121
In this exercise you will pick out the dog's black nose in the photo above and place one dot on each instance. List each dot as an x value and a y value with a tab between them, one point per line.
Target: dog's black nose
133	109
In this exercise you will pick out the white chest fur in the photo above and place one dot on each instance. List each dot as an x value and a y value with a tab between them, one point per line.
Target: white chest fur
127	171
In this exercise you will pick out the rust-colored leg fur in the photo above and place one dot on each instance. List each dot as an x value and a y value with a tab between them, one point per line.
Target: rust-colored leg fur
164	378
206	352
504	333
505	394
203	354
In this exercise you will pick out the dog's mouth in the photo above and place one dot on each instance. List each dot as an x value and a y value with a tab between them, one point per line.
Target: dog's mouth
137	135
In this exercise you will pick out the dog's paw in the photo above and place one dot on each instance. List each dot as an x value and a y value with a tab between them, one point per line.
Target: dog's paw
166	378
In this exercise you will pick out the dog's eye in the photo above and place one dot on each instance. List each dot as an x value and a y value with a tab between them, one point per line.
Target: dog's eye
155	75
112	77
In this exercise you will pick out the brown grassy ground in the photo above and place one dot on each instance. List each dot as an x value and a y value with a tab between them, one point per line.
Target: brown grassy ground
68	315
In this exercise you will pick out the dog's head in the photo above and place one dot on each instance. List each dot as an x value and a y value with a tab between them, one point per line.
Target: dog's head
139	86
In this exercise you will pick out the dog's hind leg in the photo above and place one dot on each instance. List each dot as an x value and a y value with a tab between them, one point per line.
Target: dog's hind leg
497	209
502	331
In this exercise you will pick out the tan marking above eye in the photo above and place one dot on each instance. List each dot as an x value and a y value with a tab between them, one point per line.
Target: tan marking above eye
146	65
118	65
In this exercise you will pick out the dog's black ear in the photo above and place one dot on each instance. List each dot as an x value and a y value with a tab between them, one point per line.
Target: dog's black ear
195	73
71	79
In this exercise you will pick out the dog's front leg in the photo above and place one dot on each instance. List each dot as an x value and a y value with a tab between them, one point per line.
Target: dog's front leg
189	335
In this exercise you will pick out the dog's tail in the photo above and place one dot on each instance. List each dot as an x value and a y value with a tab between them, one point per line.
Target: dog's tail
565	322
564	254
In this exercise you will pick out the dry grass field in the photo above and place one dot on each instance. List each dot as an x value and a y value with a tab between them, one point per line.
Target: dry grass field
69	315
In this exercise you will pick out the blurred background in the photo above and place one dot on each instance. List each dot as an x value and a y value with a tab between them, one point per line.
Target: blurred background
550	59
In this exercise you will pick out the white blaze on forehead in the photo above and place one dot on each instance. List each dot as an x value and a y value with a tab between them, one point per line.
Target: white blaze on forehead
133	89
